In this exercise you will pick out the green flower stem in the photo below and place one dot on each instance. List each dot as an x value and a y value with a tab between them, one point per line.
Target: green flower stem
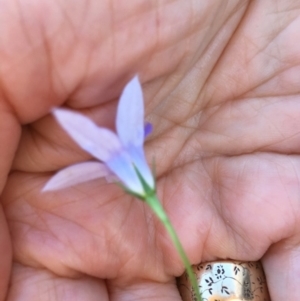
156	206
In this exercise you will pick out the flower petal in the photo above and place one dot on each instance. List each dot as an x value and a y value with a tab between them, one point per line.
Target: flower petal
76	174
99	142
138	158
130	114
122	167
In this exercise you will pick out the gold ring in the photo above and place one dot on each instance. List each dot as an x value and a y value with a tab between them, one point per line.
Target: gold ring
227	280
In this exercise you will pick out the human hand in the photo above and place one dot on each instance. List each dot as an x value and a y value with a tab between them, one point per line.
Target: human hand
221	86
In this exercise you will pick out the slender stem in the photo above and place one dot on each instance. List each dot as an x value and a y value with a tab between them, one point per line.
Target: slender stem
157	208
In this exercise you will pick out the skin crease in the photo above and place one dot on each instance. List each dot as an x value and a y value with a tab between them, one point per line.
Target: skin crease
221	84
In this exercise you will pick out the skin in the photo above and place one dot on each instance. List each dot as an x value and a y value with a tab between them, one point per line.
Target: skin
221	84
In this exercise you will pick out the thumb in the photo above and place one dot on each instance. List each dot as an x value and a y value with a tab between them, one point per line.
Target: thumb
9	137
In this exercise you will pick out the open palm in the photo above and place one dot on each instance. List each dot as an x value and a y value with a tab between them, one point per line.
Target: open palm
221	84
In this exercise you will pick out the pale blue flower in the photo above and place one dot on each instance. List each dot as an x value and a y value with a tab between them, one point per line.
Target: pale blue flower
122	154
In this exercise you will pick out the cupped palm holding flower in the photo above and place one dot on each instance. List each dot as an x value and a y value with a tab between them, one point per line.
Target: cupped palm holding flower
221	82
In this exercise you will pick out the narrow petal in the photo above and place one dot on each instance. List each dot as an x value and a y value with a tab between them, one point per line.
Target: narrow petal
138	158
130	114
99	142
76	174
121	165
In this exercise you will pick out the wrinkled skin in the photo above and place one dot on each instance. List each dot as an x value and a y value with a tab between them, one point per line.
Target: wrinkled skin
221	84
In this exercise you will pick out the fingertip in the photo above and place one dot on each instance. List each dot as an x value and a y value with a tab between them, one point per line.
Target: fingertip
282	269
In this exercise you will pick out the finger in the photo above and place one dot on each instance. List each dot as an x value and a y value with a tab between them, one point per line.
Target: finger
91	228
282	268
143	290
52	67
5	256
29	284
